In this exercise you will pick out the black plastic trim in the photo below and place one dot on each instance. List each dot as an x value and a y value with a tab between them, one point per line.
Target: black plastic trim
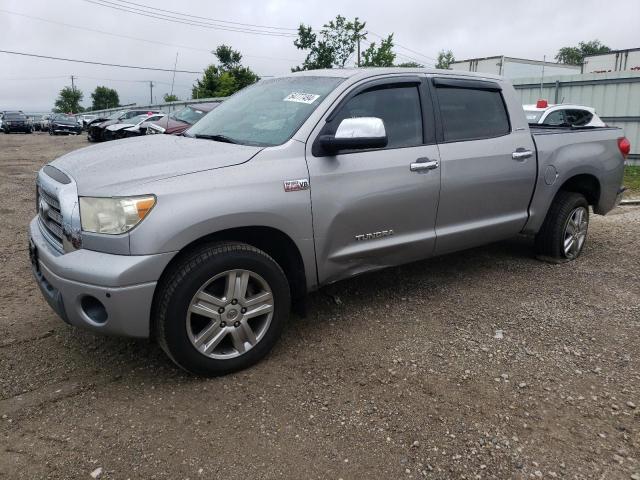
56	174
440	82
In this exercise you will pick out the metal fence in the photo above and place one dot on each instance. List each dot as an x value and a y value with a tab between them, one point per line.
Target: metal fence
615	96
166	107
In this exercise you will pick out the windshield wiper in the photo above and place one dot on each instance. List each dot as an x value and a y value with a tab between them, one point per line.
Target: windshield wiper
216	138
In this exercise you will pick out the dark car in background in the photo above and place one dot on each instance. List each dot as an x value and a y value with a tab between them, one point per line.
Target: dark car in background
179	121
63	124
96	128
16	122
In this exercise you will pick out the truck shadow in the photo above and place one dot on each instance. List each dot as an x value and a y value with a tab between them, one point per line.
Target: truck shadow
145	361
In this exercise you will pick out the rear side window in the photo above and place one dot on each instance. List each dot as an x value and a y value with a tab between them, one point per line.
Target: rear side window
397	105
578	118
470	114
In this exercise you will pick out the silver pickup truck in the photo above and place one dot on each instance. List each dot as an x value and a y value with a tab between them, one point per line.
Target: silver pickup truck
205	241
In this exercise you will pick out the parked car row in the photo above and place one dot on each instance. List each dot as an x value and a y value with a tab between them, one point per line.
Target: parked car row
136	122
15	121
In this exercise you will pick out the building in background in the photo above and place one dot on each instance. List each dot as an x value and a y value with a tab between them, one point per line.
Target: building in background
511	67
614	61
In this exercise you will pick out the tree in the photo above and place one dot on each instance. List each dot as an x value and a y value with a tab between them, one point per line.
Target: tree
410	65
68	101
226	78
332	46
575	55
170	98
104	97
381	56
445	58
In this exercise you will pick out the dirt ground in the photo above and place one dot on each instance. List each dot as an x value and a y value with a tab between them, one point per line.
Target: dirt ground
482	364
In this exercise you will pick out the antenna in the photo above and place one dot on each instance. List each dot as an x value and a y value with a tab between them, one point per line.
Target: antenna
544	61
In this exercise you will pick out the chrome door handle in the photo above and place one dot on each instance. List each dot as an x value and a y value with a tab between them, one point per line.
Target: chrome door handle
423	165
521	154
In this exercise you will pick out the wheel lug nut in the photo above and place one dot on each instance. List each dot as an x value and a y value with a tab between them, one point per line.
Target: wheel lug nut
234	301
223	324
243	310
237	324
221	310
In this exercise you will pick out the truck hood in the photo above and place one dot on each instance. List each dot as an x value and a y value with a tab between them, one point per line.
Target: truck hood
122	166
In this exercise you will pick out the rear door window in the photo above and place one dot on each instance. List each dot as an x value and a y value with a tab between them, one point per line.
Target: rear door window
555	118
471	114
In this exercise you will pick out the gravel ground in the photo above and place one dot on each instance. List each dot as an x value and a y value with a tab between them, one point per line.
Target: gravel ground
482	364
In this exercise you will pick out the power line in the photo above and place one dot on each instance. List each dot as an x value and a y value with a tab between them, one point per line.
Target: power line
406	48
206	18
97	63
193	23
156	42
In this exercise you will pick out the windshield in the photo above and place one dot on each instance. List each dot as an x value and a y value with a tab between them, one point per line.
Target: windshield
68	118
189	115
115	115
267	113
137	119
15	116
533	116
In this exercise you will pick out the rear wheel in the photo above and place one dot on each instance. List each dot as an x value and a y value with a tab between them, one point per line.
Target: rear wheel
221	309
564	232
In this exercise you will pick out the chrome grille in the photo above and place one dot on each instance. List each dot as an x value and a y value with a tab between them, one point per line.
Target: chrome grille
50	217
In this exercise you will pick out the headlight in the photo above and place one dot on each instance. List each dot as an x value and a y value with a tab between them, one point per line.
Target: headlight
153	129
114	215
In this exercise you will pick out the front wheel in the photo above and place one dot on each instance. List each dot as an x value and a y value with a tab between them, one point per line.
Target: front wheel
221	309
564	231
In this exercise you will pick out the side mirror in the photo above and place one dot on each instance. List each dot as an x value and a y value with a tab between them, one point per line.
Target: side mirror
356	134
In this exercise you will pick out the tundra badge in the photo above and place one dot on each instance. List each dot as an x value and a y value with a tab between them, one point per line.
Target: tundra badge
371	236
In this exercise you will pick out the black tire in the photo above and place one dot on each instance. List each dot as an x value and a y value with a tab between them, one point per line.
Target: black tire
187	276
551	237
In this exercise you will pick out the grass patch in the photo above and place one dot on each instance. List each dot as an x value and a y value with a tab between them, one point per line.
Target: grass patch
632	180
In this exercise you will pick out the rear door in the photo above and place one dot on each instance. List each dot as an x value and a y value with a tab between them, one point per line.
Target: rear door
373	209
488	168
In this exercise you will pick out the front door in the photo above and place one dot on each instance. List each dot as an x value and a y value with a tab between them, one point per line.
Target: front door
372	209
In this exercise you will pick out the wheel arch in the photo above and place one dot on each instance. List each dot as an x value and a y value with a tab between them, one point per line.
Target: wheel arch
585	184
272	241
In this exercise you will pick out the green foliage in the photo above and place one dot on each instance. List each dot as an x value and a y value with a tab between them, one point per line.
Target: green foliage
381	56
410	65
575	55
104	97
332	46
226	78
68	101
445	58
632	180
170	98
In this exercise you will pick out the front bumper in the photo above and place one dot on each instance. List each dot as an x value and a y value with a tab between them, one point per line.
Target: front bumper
68	130
110	294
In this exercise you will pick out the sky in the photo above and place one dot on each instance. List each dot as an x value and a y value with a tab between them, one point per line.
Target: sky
91	30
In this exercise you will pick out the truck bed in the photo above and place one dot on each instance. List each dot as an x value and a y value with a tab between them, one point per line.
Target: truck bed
563	153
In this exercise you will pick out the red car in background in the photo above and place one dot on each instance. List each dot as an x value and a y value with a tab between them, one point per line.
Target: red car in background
179	121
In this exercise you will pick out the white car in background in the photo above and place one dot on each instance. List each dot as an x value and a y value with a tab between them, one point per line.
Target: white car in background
130	127
562	115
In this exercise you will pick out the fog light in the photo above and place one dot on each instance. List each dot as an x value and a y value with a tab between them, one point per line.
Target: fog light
94	309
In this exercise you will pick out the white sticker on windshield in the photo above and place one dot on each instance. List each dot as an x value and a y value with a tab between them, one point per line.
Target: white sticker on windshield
301	97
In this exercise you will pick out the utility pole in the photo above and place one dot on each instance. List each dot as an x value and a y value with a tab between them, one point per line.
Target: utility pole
358	61
73	86
151	91
174	73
